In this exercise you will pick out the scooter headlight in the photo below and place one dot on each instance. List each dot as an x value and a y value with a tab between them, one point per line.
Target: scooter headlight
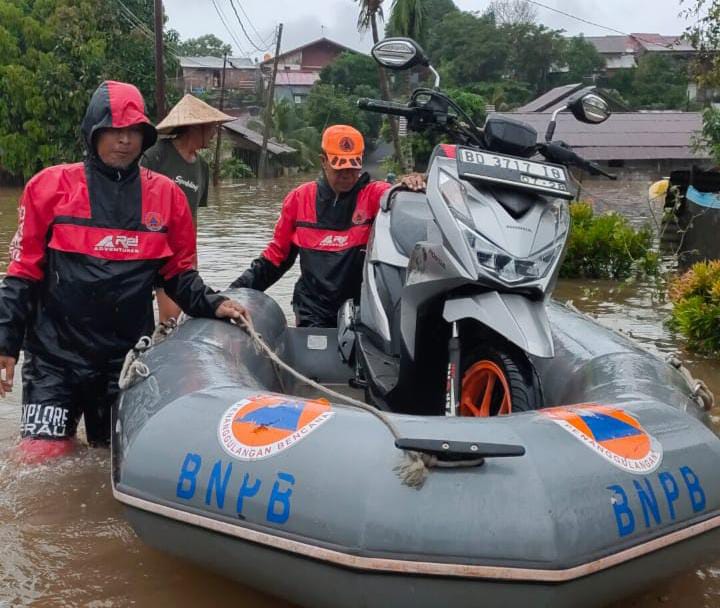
507	268
453	193
559	210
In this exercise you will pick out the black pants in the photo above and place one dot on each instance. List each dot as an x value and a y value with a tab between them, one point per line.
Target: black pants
56	397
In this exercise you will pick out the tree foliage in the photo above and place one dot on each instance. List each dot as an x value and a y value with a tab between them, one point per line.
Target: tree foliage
349	71
533	51
408	19
513	12
607	247
582	60
208	45
704	35
467	48
696	306
52	57
327	105
659	82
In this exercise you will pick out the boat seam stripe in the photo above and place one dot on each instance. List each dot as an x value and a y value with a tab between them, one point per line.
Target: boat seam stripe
416	567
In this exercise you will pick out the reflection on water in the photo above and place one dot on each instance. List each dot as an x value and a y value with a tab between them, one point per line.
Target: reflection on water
63	537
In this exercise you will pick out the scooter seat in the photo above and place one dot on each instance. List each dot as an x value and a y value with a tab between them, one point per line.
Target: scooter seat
409	220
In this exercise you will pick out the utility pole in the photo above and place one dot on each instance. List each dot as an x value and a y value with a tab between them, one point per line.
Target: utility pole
262	165
216	163
159	69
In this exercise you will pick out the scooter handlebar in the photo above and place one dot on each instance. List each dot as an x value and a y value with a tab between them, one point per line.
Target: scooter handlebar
596	169
561	153
385	107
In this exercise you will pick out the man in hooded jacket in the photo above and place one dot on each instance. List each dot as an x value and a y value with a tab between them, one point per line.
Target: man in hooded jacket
93	239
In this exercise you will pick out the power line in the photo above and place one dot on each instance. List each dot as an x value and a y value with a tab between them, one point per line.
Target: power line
603	27
260	37
242	26
135	21
218	10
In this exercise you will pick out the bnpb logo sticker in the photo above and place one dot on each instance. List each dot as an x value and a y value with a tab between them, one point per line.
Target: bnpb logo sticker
612	433
264	425
153	221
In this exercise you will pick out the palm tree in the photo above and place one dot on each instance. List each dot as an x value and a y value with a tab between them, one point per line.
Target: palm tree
370	10
408	19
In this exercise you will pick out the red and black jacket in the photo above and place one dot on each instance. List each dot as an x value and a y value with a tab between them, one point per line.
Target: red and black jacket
330	232
91	243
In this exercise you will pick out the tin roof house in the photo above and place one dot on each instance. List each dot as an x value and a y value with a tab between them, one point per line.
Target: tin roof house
204	74
623	52
632	143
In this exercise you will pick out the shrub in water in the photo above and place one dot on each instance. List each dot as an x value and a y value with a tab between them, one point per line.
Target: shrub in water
696	306
607	247
234	168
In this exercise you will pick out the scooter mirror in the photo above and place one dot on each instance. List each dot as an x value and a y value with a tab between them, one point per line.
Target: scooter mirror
399	53
590	108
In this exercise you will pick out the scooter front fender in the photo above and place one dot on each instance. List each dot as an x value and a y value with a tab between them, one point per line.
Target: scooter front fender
521	321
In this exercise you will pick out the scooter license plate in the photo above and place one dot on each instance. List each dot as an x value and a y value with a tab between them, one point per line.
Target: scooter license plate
546	178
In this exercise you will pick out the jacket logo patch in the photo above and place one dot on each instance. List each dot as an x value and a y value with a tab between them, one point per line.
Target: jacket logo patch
118	244
153	221
333	241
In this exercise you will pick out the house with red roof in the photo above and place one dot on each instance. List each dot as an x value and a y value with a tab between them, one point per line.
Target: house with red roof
623	52
299	68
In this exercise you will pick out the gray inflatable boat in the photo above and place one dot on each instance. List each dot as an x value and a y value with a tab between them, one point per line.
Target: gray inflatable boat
220	458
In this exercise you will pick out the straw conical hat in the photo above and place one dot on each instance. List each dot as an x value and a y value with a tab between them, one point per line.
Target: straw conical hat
191	111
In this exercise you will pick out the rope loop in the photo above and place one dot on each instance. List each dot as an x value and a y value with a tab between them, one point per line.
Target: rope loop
699	390
134	370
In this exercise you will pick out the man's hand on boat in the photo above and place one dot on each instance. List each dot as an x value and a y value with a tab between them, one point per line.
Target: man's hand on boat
231	309
413	181
7	373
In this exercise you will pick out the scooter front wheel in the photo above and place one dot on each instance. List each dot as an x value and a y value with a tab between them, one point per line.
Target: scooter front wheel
498	381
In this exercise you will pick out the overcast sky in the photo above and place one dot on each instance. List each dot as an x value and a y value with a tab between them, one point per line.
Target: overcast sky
307	20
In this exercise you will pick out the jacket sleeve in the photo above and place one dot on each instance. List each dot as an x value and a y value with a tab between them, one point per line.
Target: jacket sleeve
279	255
27	267
16	298
179	277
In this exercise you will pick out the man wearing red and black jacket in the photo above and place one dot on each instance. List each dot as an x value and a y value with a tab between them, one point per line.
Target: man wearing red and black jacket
93	239
328	223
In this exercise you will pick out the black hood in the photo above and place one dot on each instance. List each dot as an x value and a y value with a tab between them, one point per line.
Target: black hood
116	105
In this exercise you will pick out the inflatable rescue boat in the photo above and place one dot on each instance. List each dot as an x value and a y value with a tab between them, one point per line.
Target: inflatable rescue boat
222	458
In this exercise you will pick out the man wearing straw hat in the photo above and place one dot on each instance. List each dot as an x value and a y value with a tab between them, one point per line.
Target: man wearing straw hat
193	123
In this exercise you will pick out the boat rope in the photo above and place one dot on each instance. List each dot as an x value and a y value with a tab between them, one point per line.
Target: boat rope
414	468
700	391
133	369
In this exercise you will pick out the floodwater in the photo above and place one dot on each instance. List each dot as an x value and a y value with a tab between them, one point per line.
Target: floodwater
63	540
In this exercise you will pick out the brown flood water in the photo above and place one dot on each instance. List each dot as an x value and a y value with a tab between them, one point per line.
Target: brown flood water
63	540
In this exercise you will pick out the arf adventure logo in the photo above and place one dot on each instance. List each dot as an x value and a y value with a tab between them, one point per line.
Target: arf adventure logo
264	425
611	432
118	244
